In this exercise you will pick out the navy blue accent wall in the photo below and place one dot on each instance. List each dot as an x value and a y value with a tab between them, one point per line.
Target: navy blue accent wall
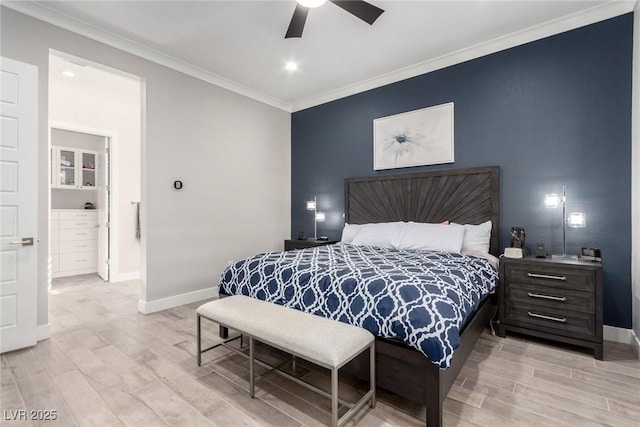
553	112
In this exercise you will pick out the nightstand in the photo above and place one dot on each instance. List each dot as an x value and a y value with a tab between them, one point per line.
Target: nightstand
306	243
553	299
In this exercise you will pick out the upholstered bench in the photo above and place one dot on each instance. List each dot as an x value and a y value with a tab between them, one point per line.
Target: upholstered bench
328	343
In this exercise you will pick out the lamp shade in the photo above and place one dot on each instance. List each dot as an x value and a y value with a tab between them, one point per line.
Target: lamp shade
311	205
577	220
320	216
552	200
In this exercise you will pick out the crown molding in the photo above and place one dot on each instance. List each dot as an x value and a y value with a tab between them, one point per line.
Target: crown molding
580	19
40	11
597	13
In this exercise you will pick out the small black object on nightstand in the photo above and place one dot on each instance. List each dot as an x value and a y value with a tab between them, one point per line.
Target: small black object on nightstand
591	254
308	243
541	251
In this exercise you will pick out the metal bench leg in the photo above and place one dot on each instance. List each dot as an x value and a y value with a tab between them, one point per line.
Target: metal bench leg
294	364
372	373
199	343
223	332
334	397
252	385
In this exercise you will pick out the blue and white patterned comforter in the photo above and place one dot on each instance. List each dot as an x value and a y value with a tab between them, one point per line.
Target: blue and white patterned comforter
420	297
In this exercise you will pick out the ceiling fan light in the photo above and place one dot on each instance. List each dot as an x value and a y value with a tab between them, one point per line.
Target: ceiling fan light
291	66
311	3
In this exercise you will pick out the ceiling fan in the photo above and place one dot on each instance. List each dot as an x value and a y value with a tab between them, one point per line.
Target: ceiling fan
359	8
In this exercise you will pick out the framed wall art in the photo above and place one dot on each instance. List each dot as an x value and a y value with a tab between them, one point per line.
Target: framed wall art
416	138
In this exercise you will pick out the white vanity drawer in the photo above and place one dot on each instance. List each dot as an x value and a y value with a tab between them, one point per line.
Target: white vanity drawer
78	223
81	261
86	234
71	215
78	246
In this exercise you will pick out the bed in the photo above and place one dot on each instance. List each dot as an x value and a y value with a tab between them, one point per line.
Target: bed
413	368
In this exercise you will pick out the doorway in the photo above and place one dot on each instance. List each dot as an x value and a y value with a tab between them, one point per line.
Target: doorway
80	201
95	136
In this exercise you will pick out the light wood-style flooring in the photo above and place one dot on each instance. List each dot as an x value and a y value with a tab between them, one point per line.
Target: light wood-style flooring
108	365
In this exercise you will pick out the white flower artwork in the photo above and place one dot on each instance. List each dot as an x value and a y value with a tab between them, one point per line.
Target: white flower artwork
416	138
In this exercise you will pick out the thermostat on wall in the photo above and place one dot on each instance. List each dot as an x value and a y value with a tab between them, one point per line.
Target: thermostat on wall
177	185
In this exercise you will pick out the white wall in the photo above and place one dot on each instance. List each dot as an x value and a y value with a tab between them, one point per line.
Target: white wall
232	153
105	101
635	174
233	156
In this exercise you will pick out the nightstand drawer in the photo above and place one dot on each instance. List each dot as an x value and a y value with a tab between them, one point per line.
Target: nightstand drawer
555	298
563	322
551	276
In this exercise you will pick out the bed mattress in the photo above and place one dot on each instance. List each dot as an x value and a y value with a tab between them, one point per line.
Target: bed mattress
420	297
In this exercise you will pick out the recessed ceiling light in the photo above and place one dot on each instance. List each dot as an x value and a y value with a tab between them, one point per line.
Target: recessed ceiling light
67	73
291	66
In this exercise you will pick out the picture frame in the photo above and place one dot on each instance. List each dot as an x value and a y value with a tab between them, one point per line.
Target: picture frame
415	138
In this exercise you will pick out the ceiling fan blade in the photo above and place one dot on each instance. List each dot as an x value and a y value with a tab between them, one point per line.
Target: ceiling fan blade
360	8
297	22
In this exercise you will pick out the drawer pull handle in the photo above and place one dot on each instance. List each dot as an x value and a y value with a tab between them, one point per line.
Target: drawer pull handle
81	223
542	316
84	260
547	297
546	276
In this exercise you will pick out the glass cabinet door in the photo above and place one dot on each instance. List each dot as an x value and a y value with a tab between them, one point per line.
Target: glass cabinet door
67	168
73	168
88	170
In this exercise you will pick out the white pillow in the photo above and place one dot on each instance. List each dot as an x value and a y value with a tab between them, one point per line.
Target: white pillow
477	237
349	232
432	237
494	261
383	235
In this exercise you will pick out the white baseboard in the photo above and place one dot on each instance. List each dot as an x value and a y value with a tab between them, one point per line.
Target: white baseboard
147	307
620	335
67	273
636	343
123	277
43	332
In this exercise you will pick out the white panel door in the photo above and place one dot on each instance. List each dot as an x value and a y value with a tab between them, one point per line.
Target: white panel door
18	204
104	210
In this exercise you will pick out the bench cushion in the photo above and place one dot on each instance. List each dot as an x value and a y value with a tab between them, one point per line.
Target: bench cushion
328	342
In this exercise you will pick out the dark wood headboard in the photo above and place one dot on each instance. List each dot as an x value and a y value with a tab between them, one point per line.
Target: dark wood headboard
465	196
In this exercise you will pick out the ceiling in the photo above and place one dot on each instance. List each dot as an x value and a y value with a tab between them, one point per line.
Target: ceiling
95	82
240	44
